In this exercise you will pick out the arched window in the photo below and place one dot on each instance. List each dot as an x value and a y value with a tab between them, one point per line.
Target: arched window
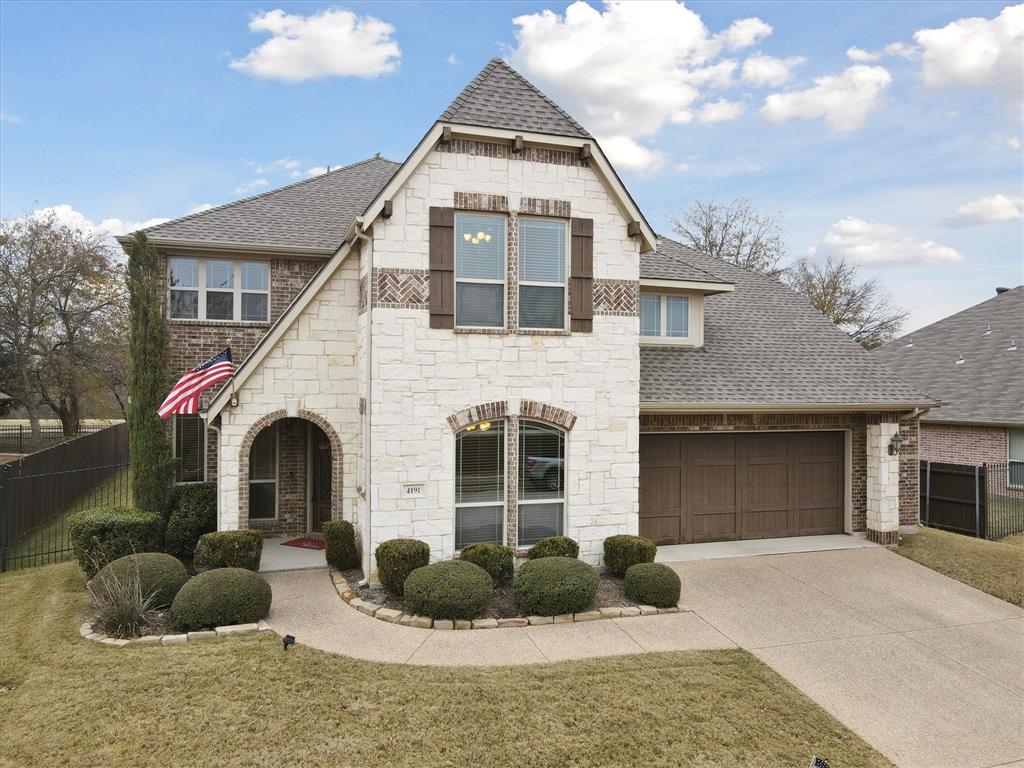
480	484
541	482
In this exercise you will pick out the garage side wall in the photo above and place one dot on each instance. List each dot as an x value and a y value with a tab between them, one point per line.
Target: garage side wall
856	423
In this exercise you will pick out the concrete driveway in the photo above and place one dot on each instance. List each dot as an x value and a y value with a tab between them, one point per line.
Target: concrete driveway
927	670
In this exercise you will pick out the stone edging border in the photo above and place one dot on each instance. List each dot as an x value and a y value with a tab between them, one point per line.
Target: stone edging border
394	616
174	639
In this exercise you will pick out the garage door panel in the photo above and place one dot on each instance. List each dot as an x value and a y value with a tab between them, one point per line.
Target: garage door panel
766	486
662	530
712	527
765	524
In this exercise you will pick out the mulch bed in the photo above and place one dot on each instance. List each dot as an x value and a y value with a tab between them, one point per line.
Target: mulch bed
611	593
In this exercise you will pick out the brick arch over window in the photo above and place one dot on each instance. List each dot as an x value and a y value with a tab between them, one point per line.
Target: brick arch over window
246	447
559	417
528	409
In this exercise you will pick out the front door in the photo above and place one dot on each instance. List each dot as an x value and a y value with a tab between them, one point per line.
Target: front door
320	485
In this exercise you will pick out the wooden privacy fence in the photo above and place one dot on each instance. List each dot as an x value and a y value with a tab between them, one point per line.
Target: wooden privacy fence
985	501
38	492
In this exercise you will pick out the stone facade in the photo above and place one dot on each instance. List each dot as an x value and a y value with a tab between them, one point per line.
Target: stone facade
963	443
882	488
422	377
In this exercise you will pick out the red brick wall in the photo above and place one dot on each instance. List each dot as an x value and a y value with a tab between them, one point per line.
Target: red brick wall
854	422
190	342
963	444
292	455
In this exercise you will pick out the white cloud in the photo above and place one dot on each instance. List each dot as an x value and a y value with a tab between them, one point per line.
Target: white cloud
843	100
332	43
628	69
251	186
760	69
720	111
316	170
284	164
682	167
987	210
12	119
976	52
869	242
744	33
629	155
199	208
107	228
1013	142
453	60
900	50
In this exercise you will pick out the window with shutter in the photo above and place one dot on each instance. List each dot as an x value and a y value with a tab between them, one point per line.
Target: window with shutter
442	267
542	273
479	271
581	283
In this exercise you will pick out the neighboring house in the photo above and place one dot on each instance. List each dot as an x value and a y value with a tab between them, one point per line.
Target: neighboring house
974	361
487	342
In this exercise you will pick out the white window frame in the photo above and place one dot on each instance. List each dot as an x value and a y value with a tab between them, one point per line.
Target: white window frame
481	281
1010	460
565	475
504	487
237	290
276	481
694	319
174	450
564	285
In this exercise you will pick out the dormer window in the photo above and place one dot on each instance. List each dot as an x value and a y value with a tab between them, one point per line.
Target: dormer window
665	315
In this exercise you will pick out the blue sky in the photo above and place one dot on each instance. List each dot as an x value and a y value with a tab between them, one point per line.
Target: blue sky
907	158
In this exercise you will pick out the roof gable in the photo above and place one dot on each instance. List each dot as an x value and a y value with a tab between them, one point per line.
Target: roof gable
310	215
986	387
499	97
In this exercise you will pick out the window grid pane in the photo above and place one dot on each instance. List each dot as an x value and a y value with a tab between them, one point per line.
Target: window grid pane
185	305
263	455
478	525
189	449
255	276
480	464
677	319
220	275
480	304
254	306
479	247
650	314
541	251
184	273
541	461
220	305
541	307
538	521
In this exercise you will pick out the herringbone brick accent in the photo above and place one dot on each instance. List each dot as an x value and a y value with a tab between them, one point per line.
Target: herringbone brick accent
616	297
401	288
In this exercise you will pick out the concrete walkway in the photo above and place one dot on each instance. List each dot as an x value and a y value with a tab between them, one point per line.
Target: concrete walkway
927	670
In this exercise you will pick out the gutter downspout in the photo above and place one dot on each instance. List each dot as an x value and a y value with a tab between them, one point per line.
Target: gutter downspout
367	437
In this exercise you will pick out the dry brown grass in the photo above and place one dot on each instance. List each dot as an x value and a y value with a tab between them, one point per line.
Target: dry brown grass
996	567
245	702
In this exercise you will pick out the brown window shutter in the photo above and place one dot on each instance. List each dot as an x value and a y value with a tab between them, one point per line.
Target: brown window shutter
442	267
581	276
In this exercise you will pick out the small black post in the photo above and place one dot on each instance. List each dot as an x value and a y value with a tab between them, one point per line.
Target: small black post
977	503
3	517
928	493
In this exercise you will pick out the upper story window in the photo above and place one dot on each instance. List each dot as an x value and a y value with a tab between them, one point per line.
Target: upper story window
219	289
664	315
542	273
479	271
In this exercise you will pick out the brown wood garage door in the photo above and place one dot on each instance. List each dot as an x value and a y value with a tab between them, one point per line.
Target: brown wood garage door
720	487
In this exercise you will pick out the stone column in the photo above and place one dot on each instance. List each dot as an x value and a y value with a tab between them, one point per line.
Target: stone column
883	485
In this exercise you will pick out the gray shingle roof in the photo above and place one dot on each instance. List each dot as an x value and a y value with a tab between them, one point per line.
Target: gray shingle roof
312	214
671	261
499	97
765	345
988	387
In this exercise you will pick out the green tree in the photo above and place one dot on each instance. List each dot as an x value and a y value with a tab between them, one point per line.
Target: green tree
152	465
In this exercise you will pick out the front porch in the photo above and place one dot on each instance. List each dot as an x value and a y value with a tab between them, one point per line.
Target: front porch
279	556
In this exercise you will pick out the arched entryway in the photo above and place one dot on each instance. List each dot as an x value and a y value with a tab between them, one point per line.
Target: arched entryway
289	474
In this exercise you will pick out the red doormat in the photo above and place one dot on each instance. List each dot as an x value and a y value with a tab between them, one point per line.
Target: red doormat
305	543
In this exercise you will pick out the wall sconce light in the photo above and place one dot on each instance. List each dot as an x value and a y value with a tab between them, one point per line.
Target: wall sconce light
894	444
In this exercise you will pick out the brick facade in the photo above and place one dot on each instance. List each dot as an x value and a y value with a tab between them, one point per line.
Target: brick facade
963	444
855	423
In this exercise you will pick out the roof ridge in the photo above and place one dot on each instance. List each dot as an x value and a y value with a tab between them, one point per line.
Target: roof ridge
222	206
941	320
540	93
683	245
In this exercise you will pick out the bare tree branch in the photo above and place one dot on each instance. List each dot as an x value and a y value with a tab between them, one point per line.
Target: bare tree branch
736	233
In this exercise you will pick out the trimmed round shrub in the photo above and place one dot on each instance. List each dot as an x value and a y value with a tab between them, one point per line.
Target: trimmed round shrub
396	559
623	552
497	560
554	546
99	536
340	537
220	597
653	584
160	575
553	585
193	513
229	549
453	589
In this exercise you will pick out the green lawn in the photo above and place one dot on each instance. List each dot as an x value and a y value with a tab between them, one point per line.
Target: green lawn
52	536
996	567
245	702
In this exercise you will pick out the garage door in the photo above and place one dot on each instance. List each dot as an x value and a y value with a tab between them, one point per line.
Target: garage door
720	487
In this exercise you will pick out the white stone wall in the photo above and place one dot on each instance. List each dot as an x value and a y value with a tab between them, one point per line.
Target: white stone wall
314	363
423	375
883	479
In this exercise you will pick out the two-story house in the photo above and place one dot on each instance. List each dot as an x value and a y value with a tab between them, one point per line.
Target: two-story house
488	342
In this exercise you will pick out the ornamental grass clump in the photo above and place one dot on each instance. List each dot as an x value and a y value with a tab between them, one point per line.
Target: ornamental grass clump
121	607
160	575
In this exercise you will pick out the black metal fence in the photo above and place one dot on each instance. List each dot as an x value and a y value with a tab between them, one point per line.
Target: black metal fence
38	492
985	501
17	438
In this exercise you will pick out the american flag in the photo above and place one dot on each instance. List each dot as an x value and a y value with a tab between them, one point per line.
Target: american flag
184	396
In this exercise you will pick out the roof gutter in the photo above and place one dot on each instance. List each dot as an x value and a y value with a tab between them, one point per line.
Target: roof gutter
650	407
707	287
207	246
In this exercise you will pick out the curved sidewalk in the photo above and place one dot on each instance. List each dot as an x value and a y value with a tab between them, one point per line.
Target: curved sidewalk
307	606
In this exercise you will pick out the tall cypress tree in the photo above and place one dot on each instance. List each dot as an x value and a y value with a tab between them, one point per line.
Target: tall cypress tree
151	462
